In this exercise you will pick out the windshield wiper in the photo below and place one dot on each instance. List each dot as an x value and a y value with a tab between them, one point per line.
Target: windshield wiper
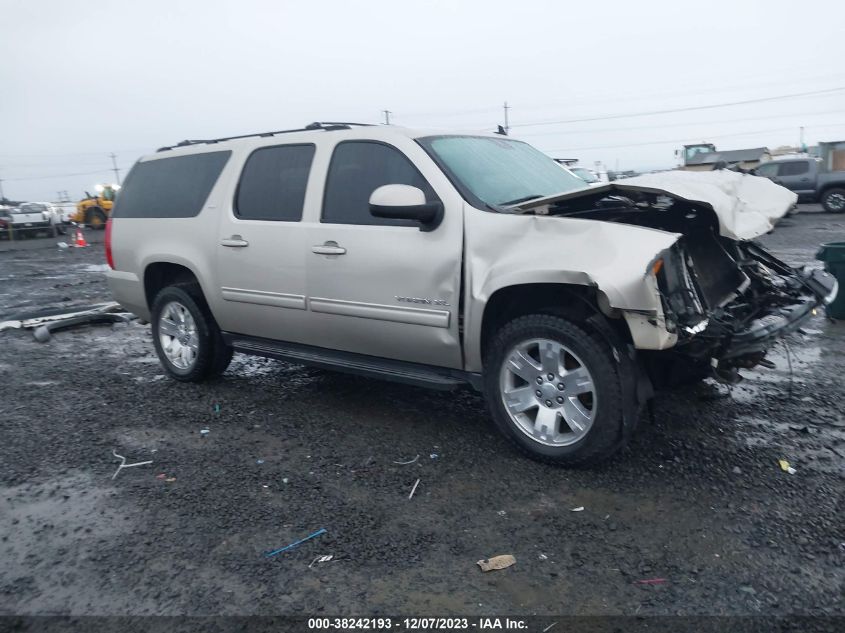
519	200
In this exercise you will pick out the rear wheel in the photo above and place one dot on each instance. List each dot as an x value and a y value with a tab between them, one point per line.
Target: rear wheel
186	337
833	200
554	391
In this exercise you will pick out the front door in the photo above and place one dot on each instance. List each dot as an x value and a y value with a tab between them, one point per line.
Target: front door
383	287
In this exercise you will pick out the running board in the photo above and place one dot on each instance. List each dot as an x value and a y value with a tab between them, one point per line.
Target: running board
441	378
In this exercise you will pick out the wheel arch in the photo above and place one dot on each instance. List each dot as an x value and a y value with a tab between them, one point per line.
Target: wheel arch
160	274
582	304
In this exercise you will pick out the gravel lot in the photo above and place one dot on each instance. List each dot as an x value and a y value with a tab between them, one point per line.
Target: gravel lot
698	499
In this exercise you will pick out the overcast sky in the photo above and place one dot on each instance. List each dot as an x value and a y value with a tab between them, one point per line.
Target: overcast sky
82	78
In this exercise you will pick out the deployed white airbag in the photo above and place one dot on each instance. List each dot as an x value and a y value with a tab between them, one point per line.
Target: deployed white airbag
747	206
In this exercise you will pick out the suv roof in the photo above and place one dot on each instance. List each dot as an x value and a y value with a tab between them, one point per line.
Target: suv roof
319	126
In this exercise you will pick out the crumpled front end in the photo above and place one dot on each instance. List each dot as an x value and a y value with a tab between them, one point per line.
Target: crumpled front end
729	302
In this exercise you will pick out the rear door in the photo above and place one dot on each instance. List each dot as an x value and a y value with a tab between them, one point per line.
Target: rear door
796	176
383	287
261	246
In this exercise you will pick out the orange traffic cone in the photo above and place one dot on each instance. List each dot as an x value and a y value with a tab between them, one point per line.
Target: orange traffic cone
79	240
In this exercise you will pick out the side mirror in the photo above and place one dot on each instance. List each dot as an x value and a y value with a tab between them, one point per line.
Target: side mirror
403	202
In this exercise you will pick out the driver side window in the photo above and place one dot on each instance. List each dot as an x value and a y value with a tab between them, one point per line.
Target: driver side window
767	170
357	169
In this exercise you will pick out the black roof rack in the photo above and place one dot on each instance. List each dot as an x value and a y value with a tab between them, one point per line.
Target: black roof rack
326	126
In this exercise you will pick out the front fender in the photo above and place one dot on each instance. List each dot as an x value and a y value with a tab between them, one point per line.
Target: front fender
505	250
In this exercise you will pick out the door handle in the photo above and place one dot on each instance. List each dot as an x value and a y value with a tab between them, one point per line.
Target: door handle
235	241
329	248
805	180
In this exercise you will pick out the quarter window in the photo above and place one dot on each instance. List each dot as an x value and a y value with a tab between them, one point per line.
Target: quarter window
273	183
357	169
173	187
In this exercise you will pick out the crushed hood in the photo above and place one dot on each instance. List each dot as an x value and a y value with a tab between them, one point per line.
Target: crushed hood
747	206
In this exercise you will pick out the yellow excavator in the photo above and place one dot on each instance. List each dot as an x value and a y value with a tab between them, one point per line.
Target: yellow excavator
93	211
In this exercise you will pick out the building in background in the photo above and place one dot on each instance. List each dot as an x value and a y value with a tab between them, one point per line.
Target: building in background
832	154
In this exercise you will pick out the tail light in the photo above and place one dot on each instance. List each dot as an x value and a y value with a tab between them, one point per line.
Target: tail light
109	258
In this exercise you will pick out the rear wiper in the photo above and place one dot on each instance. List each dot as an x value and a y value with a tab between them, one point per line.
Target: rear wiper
519	200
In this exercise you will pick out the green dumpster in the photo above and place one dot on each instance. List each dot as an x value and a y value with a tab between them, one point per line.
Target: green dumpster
833	256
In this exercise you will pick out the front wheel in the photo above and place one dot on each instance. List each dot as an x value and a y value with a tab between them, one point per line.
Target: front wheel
833	200
185	334
553	390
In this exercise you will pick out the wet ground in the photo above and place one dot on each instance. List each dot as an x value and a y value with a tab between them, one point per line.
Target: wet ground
697	504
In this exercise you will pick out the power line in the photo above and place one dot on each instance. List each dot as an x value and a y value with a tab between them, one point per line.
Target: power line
685	124
681	140
84	173
687	109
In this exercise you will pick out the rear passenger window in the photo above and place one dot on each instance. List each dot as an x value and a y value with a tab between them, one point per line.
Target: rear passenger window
273	183
793	169
357	169
175	187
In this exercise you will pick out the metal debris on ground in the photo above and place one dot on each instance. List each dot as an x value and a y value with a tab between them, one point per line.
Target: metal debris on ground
650	581
434	456
496	562
259	461
543	557
410	461
578	509
295	544
325	558
414	489
204	431
111	312
785	467
123	463
549	628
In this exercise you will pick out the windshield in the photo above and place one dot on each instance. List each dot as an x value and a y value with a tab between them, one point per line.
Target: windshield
584	174
500	171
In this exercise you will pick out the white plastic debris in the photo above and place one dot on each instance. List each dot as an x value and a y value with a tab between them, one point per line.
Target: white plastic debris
325	558
578	509
414	489
123	463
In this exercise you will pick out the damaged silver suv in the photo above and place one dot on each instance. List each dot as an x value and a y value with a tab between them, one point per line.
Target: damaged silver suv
445	259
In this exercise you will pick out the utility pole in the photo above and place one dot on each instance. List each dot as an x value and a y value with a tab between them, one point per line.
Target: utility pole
2	195
114	168
507	126
387	114
801	142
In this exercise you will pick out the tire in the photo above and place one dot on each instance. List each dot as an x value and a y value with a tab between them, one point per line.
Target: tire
601	436
95	218
207	354
61	229
833	200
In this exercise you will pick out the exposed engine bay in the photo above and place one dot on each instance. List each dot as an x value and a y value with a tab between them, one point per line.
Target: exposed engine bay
727	300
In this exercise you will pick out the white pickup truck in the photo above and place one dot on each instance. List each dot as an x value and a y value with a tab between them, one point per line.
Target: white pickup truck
31	218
